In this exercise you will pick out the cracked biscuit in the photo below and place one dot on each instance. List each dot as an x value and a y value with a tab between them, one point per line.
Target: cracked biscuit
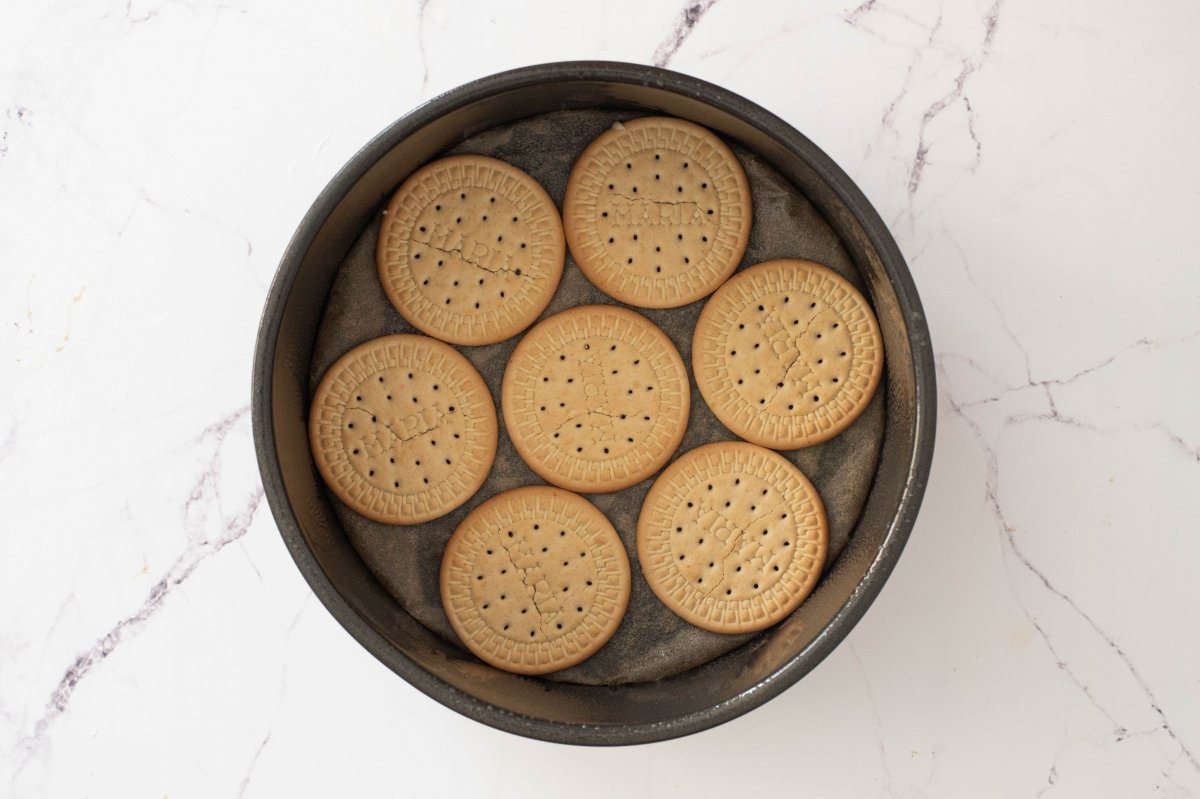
470	250
595	398
732	537
535	580
787	354
657	212
403	429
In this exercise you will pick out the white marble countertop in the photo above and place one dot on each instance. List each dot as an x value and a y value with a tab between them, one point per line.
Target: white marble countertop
1037	163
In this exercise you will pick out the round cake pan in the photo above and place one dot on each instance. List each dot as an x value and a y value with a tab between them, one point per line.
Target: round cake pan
701	696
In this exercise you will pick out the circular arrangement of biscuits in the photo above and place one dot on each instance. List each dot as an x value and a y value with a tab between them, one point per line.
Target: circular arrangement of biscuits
508	395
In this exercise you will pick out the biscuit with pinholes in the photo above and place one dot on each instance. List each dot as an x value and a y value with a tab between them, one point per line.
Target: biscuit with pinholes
535	580
732	537
470	250
657	212
403	429
595	398
787	354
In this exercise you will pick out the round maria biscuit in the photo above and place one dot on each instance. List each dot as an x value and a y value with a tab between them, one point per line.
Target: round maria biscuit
403	429
732	537
787	354
596	398
535	580
470	250
657	212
